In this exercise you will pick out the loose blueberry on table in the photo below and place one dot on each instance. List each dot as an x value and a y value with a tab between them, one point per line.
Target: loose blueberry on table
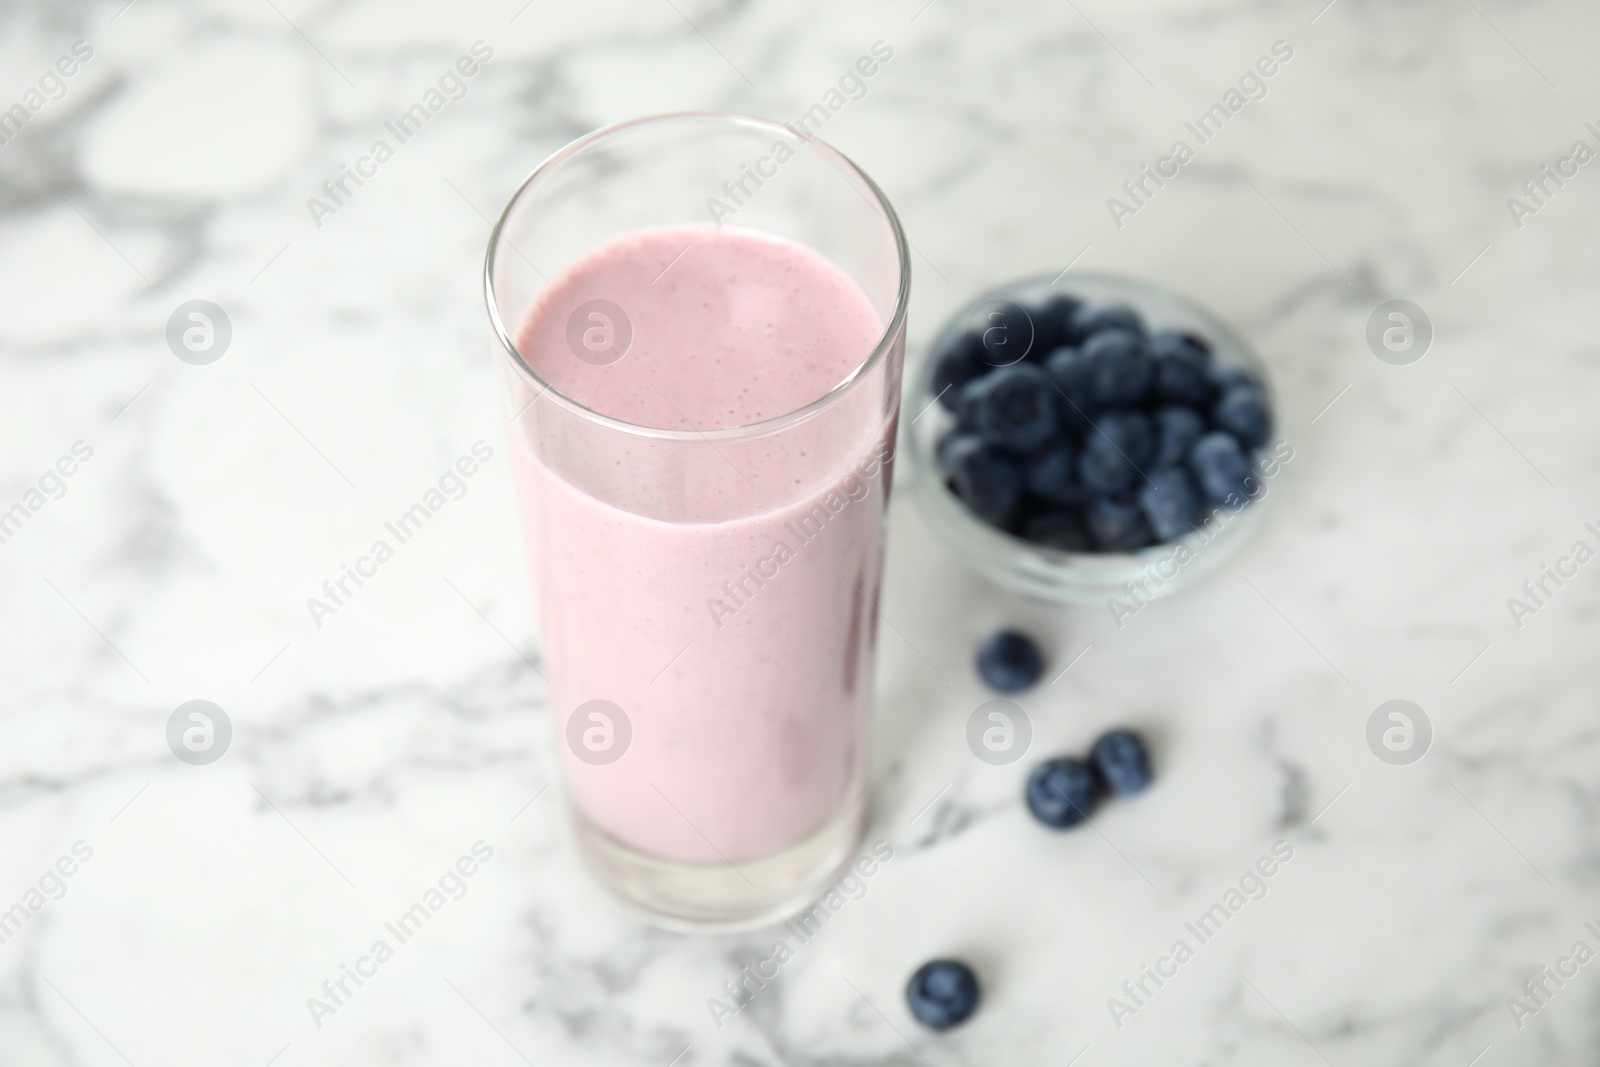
1109	436
1009	662
1122	762
942	994
1062	792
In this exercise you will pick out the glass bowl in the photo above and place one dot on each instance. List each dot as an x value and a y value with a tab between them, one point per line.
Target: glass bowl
1129	579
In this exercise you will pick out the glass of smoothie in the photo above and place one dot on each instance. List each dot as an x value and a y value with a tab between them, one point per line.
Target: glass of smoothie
702	322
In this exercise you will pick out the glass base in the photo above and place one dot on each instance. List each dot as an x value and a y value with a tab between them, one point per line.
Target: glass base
724	898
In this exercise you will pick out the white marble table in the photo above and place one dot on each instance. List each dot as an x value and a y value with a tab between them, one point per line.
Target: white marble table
207	904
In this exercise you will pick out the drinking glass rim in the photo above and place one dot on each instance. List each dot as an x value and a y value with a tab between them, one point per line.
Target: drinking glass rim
879	351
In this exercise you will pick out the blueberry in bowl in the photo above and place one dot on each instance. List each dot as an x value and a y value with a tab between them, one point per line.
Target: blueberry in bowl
1092	437
1015	407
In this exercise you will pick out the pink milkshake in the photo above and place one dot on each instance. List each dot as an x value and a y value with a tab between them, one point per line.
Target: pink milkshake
707	605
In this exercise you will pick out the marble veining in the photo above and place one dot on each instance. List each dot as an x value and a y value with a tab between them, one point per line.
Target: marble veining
1431	913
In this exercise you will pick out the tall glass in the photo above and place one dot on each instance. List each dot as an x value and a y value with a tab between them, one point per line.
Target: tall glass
707	593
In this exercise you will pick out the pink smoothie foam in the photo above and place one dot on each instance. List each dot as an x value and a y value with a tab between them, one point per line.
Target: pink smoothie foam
720	593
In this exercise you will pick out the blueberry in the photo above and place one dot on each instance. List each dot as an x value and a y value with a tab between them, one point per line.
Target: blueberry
1225	378
1180	379
1117	525
962	402
1103	469
942	994
1069	370
1177	429
1005	332
1051	475
958	363
1170	503
1062	792
1220	468
988	479
1009	662
1180	343
1242	411
1088	321
1052	323
1115	451
1130	432
1061	530
942	452
1122	761
1119	374
1014	406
